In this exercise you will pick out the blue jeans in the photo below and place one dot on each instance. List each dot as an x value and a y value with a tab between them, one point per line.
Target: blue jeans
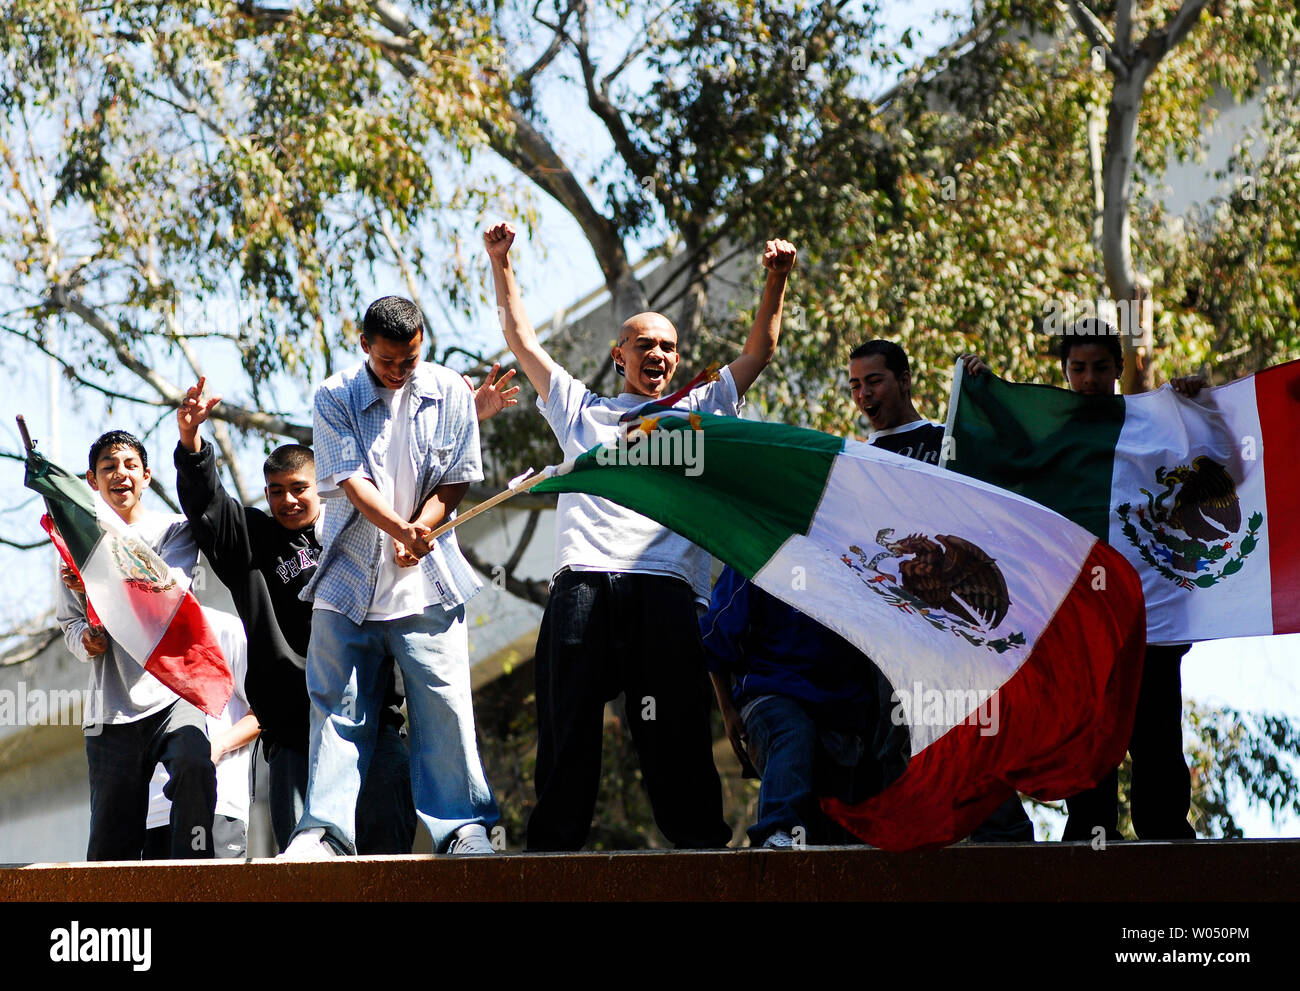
783	739
385	814
346	685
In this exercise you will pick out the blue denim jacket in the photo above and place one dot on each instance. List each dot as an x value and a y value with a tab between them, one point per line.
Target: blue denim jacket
351	432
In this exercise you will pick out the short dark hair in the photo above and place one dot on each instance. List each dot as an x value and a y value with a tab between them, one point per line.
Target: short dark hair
1091	330
895	357
394	318
288	458
117	438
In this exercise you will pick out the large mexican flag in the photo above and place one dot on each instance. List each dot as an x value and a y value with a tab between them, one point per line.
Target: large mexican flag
145	606
1013	638
1200	495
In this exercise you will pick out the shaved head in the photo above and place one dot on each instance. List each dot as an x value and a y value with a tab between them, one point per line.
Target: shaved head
646	353
644	323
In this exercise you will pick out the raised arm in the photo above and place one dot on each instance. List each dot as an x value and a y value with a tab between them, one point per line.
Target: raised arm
217	518
520	336
778	259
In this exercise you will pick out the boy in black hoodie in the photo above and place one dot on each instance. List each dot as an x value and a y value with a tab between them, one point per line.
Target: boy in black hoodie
265	559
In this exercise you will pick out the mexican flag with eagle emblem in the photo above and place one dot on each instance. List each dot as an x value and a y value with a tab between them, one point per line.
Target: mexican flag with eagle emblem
1012	638
1200	495
144	605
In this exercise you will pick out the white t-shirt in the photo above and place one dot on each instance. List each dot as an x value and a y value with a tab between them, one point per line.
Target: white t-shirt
399	591
232	772
594	534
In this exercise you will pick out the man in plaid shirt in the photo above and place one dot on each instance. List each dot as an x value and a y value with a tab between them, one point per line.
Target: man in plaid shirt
399	439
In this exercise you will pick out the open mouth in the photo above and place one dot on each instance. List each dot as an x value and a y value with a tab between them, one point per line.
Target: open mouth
872	410
121	490
653	373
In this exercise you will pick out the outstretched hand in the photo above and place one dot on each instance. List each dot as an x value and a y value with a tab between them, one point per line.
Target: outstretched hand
497	239
779	256
193	411
492	396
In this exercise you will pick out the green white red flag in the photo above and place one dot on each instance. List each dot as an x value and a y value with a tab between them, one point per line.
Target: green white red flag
146	607
1013	639
1200	495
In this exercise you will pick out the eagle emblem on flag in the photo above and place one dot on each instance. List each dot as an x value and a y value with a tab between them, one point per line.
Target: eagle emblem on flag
138	565
1191	525
947	580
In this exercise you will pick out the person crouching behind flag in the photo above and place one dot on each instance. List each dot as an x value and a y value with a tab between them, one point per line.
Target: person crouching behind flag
134	722
880	380
1092	360
798	702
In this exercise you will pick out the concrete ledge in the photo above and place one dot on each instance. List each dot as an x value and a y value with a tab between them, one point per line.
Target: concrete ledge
1224	870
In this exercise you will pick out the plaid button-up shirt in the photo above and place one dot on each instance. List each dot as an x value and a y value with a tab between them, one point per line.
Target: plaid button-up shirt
352	431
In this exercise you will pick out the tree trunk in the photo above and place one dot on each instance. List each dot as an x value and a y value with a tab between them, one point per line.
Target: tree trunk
1117	255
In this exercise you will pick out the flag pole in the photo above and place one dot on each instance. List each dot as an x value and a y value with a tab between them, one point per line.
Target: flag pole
516	487
28	443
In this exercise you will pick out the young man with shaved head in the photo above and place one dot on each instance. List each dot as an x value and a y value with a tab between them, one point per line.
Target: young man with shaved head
622	612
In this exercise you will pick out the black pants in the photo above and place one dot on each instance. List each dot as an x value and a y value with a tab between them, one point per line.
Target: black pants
1009	823
606	632
1160	792
121	758
229	835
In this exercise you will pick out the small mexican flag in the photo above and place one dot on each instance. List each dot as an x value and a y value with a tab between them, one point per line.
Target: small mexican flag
1200	495
146	607
1013	639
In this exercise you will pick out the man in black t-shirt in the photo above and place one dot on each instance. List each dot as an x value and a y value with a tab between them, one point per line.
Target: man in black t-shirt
265	559
880	378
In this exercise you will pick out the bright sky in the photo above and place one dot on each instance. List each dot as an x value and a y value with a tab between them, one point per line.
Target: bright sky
556	268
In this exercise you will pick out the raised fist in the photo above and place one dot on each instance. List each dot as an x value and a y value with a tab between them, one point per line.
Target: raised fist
497	239
779	256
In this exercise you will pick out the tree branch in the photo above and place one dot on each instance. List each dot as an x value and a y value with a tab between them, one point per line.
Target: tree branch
161	492
408	276
525	538
1123	28
525	79
23	547
602	106
1161	41
537	592
634	51
220	433
246	419
1095	32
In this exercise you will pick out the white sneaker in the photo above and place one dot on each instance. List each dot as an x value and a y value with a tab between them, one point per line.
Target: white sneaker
308	845
780	840
470	840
